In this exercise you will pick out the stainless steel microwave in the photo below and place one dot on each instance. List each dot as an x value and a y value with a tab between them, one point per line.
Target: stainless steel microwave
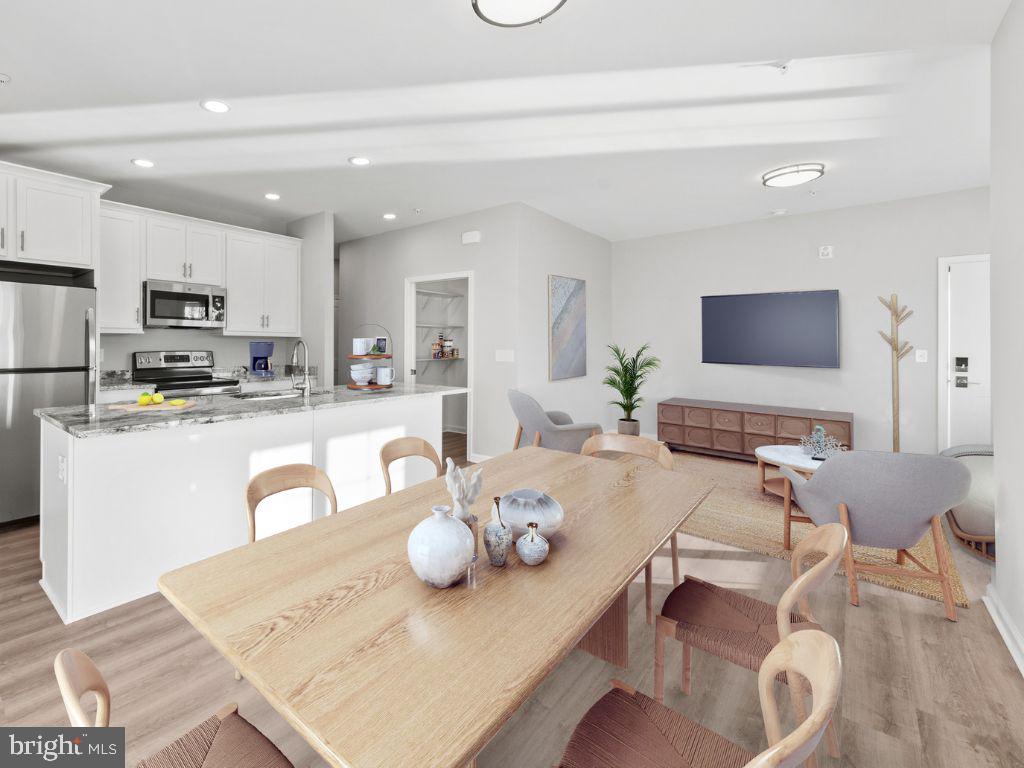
183	305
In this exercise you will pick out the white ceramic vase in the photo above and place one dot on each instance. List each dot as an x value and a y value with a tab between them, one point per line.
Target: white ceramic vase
440	549
519	508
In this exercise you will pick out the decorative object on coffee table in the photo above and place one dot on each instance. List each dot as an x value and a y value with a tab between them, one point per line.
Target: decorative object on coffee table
464	488
898	315
497	536
440	549
366	375
626	376
532	548
524	506
567	327
818	445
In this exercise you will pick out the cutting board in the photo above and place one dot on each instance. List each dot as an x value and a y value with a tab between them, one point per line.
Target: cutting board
135	407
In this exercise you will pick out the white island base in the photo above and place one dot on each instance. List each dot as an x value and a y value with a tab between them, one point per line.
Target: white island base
118	510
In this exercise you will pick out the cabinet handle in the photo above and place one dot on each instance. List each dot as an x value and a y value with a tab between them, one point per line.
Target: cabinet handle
268	321
23	240
184	269
136	314
3	236
190	269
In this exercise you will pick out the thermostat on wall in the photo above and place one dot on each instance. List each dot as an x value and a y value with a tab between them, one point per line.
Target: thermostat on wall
468	238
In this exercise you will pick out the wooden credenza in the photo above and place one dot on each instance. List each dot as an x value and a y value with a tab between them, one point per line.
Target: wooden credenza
738	429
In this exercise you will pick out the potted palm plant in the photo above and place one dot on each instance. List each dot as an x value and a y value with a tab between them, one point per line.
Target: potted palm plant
626	376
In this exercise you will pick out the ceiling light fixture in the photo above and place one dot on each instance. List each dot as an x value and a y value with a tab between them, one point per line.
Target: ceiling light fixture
389	216
359	162
142	162
778	212
792	175
515	13
272	196
212	105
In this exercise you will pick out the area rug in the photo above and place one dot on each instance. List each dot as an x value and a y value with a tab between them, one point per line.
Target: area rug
738	514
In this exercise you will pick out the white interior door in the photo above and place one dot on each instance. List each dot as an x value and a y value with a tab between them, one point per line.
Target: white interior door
968	386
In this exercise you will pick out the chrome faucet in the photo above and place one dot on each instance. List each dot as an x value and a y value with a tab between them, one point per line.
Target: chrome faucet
304	385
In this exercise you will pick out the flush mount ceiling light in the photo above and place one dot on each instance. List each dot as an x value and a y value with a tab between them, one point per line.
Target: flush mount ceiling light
212	105
389	216
359	162
142	162
793	175
515	13
272	196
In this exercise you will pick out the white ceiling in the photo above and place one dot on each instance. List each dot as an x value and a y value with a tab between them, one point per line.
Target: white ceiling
625	118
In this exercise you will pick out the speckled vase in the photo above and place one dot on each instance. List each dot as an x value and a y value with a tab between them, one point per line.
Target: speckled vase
497	537
440	549
532	548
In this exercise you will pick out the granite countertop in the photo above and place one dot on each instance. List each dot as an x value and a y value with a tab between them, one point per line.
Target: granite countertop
211	409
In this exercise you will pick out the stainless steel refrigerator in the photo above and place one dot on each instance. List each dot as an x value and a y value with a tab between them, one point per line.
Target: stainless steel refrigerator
47	358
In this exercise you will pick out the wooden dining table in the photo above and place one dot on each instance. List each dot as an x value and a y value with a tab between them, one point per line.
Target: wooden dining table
375	668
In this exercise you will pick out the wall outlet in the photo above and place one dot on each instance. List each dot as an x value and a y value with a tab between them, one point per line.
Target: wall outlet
469	238
921	355
825	252
62	469
504	355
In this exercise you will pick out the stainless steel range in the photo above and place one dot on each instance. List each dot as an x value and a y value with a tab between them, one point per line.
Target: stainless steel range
180	373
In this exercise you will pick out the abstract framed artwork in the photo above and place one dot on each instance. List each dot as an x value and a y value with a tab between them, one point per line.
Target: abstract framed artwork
567	327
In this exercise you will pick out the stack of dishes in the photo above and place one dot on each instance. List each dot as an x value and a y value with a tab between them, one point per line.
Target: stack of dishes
363	373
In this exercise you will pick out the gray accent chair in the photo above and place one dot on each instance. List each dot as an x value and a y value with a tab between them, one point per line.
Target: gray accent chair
889	501
550	429
973	522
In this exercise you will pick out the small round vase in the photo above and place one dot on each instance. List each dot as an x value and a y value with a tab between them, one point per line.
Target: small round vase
524	506
440	549
532	548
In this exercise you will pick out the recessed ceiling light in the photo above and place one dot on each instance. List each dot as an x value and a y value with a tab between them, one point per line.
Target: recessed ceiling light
389	216
792	175
779	212
515	13
359	161
212	105
272	196
142	162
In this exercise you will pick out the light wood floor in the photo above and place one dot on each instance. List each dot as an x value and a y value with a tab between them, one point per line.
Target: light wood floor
919	692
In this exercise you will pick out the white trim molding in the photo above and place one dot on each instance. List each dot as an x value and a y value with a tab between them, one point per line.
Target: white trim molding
1010	633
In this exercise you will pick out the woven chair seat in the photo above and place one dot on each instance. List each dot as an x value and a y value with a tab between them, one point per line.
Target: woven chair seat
625	730
725	623
229	743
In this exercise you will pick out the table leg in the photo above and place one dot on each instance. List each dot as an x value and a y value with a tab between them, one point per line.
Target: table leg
787	513
760	473
608	639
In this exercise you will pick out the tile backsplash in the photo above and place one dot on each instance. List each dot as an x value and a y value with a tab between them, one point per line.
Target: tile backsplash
228	351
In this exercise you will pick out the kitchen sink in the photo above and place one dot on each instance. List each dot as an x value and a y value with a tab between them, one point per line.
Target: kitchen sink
278	395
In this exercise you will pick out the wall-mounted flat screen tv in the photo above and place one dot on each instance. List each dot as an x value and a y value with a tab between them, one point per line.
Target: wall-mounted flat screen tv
800	328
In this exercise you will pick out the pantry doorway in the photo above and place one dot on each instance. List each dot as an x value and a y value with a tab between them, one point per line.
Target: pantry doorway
438	349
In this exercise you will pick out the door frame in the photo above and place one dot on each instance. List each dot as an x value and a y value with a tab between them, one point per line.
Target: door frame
409	351
942	365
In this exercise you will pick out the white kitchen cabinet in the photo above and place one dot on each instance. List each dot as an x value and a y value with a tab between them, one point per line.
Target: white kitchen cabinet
245	282
262	280
205	254
120	273
55	222
166	249
6	216
282	292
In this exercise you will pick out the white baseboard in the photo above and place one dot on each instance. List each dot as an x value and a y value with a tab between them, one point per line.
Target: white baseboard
476	458
456	430
1011	634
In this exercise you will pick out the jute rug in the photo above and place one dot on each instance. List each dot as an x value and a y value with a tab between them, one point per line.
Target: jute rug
738	514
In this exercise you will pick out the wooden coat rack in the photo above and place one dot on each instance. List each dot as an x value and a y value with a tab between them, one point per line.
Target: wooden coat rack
898	315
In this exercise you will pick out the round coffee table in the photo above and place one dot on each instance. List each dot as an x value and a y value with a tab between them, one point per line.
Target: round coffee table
791	456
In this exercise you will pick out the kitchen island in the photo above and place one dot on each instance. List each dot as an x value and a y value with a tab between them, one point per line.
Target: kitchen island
125	497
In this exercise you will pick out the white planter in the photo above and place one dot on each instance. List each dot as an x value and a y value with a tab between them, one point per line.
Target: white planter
440	549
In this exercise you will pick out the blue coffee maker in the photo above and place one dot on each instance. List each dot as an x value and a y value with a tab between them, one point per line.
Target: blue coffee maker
260	354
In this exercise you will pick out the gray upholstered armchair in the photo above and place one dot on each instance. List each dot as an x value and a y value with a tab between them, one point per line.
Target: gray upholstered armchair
550	429
889	501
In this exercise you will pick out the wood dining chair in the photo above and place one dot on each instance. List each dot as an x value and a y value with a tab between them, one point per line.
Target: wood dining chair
223	740
740	628
285	478
612	442
625	728
403	448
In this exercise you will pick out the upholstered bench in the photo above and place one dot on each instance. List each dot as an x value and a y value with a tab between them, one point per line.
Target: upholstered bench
974	522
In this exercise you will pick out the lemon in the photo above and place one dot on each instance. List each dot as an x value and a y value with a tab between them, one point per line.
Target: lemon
158	398
176	402
145	399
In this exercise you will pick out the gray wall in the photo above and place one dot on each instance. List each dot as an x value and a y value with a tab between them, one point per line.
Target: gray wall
317	233
1006	598
879	249
520	247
